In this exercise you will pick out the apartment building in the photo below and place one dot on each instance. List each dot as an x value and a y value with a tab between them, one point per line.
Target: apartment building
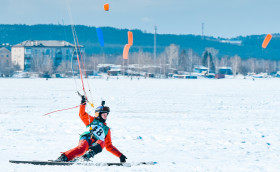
24	53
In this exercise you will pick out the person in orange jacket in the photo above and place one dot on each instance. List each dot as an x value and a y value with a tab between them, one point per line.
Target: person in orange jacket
95	139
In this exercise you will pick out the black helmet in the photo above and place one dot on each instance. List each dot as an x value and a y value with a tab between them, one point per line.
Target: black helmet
99	110
102	109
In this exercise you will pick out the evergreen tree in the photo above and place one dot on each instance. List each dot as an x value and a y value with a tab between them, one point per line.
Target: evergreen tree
207	61
183	60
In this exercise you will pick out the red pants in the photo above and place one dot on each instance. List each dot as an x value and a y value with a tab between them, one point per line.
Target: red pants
77	151
81	149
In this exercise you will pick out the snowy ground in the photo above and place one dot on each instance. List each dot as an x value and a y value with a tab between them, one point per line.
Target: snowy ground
184	125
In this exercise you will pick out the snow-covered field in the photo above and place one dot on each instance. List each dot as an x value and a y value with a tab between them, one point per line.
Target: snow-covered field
184	125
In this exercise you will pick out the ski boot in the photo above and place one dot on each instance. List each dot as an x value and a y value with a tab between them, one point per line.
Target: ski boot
93	150
62	158
88	155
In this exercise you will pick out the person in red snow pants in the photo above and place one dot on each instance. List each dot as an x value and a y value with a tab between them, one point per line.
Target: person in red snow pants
95	139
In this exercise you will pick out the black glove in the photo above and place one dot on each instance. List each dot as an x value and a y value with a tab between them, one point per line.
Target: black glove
122	158
83	100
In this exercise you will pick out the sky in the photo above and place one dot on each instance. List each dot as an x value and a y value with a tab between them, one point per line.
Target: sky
221	18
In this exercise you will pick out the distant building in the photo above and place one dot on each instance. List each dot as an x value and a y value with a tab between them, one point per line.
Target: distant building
5	62
225	70
5	57
115	70
24	52
104	68
219	76
200	69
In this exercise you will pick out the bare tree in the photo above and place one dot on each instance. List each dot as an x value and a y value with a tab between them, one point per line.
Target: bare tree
64	67
142	58
119	60
273	66
196	59
259	65
225	61
163	63
172	53
48	66
251	65
42	64
266	65
191	57
236	64
186	60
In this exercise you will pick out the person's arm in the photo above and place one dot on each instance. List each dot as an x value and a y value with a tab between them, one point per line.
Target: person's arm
110	147
85	117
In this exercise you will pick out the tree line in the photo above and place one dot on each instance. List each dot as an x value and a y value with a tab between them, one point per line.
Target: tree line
115	39
186	59
171	59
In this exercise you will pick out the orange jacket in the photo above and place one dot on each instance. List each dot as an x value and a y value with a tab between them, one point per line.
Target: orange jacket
87	119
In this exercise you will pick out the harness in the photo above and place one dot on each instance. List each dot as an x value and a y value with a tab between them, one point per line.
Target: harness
98	132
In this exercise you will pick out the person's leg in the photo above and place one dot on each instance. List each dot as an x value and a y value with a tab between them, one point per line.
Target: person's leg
93	150
77	151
